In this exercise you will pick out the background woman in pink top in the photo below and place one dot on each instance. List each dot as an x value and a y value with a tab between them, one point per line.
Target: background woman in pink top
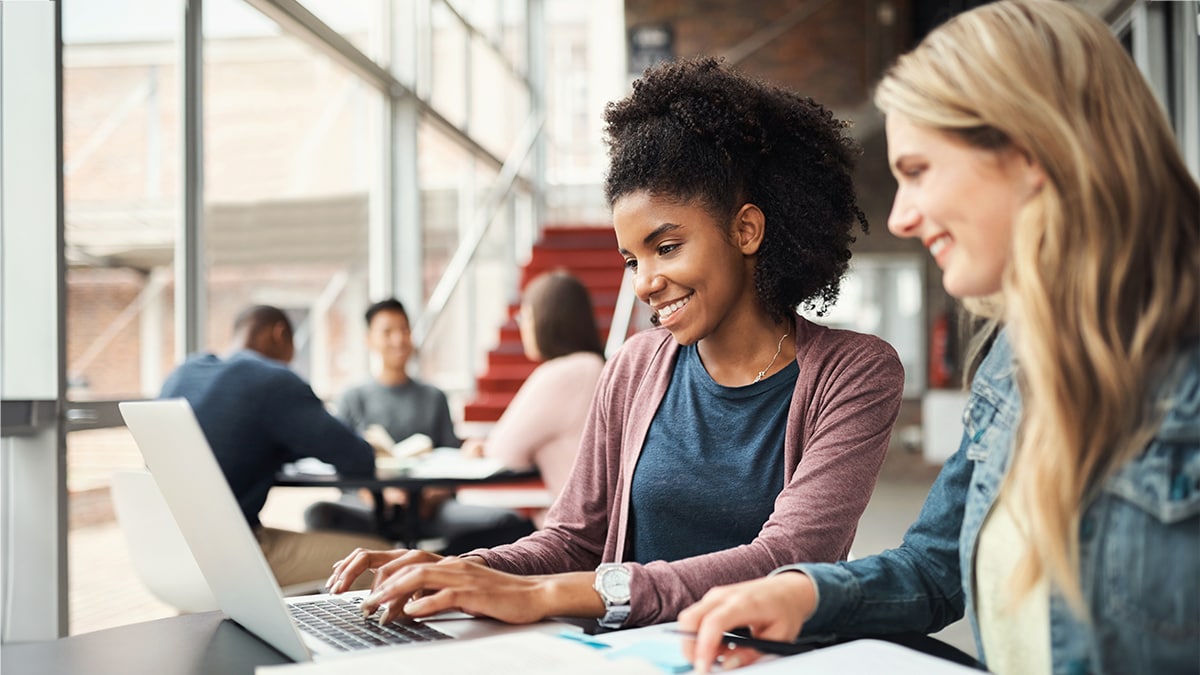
737	436
543	424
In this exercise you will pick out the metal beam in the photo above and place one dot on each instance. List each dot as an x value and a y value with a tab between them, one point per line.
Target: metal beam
491	45
33	521
189	245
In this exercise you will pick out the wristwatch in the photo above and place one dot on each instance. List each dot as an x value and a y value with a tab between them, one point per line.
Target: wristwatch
612	583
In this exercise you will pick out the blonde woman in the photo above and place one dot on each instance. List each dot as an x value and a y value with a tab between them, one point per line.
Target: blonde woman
1033	161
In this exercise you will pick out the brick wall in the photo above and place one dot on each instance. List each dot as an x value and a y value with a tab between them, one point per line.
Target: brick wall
96	299
835	55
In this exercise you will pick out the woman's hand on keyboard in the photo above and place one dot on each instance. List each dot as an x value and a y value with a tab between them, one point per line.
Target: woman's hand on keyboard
362	560
408	587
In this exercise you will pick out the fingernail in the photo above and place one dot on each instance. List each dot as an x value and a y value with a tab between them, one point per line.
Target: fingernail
414	606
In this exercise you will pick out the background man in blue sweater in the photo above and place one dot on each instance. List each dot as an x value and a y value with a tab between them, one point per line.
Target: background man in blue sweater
258	415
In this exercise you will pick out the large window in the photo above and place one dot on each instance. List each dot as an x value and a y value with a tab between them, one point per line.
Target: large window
122	204
304	187
454	191
292	153
121	159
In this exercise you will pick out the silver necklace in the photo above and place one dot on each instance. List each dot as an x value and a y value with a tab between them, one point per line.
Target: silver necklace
762	373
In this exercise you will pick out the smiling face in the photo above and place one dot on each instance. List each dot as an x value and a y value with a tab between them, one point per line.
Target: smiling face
959	200
389	336
696	275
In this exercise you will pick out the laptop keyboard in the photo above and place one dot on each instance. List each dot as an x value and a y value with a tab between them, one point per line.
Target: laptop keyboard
342	625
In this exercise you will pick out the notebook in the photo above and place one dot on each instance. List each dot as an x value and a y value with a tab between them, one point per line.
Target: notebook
182	463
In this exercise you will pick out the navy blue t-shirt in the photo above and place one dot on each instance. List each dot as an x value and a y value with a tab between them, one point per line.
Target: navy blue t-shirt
712	463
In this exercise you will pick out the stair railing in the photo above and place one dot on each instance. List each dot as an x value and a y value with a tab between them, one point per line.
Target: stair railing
492	205
622	315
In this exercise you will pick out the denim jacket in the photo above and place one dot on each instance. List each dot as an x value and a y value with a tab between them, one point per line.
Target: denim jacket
1139	542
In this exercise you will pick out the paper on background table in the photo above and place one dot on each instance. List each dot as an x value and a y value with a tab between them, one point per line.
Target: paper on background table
531	653
865	657
309	466
451	463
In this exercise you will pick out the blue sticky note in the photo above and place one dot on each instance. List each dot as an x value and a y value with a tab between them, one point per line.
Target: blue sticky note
584	638
665	654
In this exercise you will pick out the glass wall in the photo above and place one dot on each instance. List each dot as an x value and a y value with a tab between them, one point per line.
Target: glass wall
122	204
292	153
301	188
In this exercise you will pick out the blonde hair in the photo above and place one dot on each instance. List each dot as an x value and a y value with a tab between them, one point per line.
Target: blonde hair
1103	282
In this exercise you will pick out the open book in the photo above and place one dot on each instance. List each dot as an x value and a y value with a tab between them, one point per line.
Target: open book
385	446
417	457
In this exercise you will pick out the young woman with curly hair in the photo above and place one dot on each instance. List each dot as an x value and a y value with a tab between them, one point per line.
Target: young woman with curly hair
1035	163
735	437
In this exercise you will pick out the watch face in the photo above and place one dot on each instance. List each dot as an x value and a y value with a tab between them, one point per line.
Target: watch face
614	583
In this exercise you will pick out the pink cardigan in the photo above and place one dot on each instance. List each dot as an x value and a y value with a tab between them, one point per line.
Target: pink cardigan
543	424
845	403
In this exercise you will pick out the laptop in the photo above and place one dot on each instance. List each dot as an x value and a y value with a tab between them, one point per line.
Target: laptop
303	628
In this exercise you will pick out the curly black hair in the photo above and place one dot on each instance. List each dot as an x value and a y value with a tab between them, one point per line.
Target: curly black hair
695	130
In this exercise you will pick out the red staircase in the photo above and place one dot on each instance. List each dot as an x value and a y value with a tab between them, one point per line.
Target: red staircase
589	253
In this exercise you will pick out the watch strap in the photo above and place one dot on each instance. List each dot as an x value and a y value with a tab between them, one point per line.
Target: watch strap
614	616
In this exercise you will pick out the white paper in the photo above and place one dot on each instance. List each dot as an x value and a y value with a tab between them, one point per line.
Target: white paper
868	657
309	466
450	463
532	653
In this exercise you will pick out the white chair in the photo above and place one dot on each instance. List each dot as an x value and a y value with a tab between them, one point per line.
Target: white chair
159	553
